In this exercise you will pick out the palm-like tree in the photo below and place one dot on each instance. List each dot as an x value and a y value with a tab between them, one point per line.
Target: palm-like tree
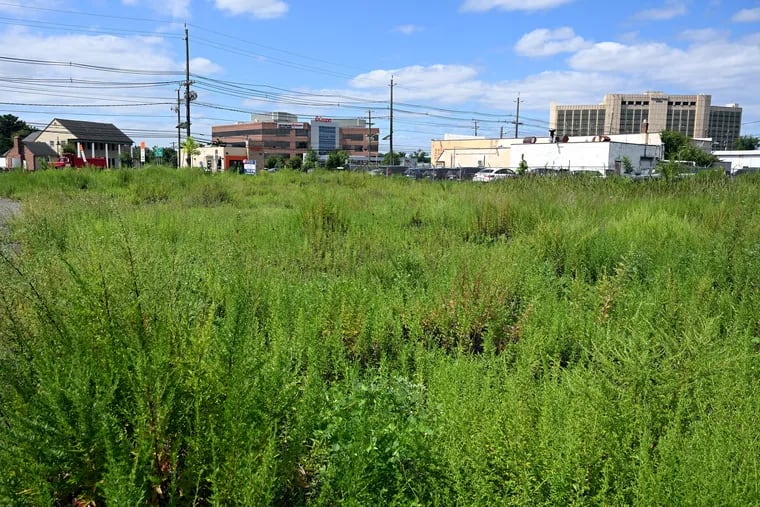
191	147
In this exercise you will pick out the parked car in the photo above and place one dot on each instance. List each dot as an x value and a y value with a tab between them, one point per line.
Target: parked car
454	174
414	173
493	174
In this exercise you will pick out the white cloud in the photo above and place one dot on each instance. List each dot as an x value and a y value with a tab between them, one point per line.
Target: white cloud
511	5
263	9
669	11
747	15
204	66
702	35
444	83
706	66
617	57
545	42
408	29
136	52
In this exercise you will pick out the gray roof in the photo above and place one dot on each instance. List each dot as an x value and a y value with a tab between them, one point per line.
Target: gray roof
40	149
32	137
95	132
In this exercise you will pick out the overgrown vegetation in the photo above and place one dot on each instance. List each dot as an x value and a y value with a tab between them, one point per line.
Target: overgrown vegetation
178	338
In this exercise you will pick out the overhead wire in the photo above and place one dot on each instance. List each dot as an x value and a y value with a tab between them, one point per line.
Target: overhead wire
447	118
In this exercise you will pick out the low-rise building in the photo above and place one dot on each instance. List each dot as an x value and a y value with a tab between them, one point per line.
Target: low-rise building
281	134
218	158
98	140
29	154
740	160
455	151
636	153
262	139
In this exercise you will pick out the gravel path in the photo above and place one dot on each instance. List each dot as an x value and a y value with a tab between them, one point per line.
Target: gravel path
8	209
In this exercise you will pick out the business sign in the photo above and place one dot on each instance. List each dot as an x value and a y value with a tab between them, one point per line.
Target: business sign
249	166
290	125
322	119
142	152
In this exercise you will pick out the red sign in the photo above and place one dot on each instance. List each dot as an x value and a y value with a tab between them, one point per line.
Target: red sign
323	119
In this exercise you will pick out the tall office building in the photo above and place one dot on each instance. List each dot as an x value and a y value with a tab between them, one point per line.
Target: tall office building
692	115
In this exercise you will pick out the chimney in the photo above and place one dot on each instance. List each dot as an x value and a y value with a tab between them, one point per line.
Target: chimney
18	147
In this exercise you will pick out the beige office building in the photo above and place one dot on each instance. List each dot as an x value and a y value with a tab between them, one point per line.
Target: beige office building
692	115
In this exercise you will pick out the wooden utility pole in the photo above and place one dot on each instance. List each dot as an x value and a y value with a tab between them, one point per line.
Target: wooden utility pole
179	129
393	158
517	117
369	139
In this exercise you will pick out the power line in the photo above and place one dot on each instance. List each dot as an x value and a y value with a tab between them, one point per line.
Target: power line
86	105
101	68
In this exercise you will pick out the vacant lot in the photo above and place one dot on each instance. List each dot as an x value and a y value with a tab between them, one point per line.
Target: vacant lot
287	339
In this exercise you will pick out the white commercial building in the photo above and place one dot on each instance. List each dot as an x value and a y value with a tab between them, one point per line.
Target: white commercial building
740	160
601	154
634	154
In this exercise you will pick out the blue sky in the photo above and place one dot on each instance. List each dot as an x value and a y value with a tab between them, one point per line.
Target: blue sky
458	65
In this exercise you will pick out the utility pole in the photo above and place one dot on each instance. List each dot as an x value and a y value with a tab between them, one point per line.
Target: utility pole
476	127
369	139
501	132
517	117
179	128
393	158
187	89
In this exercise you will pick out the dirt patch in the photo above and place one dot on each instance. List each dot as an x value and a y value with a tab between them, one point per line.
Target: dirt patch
8	209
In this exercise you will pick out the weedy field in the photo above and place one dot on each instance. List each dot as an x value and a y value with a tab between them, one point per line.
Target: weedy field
176	338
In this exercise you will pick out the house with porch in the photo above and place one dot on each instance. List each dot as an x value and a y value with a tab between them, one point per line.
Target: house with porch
98	140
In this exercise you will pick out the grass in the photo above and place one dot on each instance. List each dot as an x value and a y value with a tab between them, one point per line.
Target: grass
176	338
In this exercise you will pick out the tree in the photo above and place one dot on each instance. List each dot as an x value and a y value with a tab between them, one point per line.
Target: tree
673	142
336	159
69	147
191	148
746	143
170	157
679	147
421	157
697	155
393	159
627	164
522	168
295	162
274	161
11	126
126	159
311	160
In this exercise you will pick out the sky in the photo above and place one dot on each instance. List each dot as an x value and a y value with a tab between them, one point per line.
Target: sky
457	66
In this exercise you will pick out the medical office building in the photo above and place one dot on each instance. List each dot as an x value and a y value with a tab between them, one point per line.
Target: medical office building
281	134
691	115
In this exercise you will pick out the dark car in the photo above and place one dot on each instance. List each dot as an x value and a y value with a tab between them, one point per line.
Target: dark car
414	173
